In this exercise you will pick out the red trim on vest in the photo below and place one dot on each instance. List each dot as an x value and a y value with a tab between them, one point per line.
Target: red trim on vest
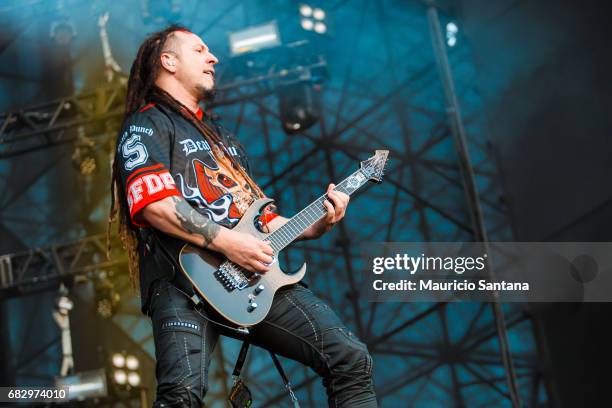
199	113
149	188
146	107
144	169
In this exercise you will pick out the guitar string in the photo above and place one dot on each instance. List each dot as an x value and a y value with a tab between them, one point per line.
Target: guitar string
309	215
285	234
289	232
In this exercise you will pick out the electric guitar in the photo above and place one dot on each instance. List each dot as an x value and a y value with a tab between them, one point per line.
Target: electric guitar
243	297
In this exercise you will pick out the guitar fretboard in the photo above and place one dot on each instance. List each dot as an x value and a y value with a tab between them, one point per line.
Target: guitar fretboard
303	220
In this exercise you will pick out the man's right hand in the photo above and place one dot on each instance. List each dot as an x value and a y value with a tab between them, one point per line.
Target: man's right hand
247	251
174	216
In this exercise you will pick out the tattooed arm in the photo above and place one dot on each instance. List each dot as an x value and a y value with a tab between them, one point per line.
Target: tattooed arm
194	222
174	216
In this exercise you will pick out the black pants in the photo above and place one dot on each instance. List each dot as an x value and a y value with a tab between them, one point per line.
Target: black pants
300	326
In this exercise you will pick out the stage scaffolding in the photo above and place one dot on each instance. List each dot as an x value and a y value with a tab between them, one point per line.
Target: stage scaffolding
404	91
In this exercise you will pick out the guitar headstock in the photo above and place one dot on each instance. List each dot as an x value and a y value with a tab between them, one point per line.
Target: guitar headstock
374	167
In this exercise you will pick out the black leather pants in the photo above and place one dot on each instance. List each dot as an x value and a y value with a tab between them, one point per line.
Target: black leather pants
300	326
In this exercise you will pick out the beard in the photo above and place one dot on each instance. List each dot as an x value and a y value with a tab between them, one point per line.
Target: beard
207	95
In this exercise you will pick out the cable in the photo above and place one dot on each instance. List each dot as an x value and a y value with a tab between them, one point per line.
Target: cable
196	300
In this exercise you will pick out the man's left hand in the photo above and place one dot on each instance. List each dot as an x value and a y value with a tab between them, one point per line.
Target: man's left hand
335	212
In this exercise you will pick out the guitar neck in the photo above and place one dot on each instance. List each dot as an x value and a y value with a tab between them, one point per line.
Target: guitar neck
303	220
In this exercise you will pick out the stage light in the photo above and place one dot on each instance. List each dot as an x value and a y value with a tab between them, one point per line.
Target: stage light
118	360
320	28
254	39
64	304
307	24
451	34
305	10
106	298
124	376
313	19
84	154
120	377
298	107
133	379
88	384
131	363
318	14
62	32
318	25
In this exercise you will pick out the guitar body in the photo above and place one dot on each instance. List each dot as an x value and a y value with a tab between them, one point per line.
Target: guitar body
242	297
245	298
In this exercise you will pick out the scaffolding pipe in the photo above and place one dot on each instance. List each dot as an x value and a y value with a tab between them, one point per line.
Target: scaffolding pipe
469	182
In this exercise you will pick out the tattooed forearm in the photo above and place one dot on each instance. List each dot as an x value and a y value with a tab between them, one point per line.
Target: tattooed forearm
194	222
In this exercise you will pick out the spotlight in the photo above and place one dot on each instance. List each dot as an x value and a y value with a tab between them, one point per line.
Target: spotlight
62	32
118	360
131	363
133	379
124	375
120	377
254	39
313	19
106	298
451	34
318	14
84	155
306	10
84	160
64	304
307	24
84	385
298	107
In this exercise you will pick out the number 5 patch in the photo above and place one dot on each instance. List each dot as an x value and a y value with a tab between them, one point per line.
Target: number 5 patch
134	152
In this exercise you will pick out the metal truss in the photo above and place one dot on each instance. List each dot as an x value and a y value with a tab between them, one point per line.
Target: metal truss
45	268
97	113
39	272
428	354
55	123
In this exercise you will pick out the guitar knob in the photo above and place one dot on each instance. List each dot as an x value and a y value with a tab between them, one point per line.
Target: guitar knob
259	289
252	307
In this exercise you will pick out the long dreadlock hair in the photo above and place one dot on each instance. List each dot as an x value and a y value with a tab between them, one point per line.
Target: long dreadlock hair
141	90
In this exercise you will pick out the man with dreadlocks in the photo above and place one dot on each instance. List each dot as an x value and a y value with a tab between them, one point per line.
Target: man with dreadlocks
179	177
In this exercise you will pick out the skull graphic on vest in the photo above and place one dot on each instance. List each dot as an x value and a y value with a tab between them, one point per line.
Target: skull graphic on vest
215	192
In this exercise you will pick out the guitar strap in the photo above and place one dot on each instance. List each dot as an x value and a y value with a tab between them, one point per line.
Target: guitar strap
241	358
279	367
156	248
240	362
152	242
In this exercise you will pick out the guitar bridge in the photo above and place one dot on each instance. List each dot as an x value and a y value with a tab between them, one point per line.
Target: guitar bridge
230	277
